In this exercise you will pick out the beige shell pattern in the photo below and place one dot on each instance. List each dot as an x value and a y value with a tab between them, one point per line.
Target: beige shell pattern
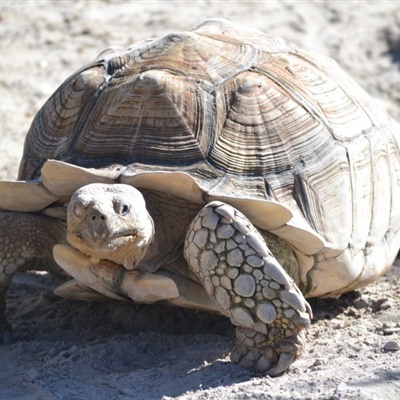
221	112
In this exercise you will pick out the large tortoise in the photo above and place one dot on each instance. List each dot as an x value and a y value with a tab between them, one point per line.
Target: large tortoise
221	169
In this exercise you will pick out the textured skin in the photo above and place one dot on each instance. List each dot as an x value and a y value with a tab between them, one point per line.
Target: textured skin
26	243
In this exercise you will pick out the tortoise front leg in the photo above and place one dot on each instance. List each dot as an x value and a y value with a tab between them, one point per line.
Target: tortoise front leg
239	273
26	242
116	282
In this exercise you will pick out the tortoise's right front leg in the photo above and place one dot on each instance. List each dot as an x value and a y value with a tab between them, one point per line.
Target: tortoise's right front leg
26	243
232	260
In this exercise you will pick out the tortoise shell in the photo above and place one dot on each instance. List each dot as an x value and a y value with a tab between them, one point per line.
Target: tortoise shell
222	112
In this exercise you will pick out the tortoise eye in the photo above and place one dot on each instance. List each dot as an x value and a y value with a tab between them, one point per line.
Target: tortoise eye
121	208
124	209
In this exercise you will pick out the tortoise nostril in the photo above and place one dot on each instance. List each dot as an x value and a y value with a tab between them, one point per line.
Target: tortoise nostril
95	217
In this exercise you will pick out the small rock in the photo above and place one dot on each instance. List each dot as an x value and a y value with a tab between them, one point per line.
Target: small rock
392	345
340	392
391	331
317	362
360	304
389	328
352	312
388	324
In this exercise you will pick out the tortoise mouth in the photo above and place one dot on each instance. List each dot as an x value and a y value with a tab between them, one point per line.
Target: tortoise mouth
129	235
96	240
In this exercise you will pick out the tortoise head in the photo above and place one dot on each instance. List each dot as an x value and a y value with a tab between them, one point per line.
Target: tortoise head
110	222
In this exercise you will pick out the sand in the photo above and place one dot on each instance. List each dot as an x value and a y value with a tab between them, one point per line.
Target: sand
74	350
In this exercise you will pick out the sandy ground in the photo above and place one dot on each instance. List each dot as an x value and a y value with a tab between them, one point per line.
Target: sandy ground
73	350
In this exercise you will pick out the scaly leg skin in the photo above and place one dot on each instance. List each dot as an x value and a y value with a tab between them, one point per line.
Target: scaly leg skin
239	273
26	243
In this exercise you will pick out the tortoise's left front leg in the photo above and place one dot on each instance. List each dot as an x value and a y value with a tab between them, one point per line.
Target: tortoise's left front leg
232	260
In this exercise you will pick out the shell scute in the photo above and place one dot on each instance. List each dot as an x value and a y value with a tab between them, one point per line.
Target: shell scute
53	131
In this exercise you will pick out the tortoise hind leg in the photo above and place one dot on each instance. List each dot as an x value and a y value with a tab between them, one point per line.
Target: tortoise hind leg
26	242
233	262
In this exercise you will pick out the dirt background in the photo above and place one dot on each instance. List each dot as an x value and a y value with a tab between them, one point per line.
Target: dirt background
73	350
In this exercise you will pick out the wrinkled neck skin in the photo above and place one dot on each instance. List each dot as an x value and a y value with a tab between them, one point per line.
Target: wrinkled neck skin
171	216
161	223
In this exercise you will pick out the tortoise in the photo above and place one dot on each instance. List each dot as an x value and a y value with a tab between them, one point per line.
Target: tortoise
221	169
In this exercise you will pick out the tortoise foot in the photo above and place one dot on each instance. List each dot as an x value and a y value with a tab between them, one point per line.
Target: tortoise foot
232	260
256	352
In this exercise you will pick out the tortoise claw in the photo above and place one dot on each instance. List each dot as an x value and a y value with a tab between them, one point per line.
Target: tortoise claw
284	362
255	352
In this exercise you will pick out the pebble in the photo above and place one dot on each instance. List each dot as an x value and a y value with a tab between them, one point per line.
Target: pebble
340	392
390	331
317	362
392	345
